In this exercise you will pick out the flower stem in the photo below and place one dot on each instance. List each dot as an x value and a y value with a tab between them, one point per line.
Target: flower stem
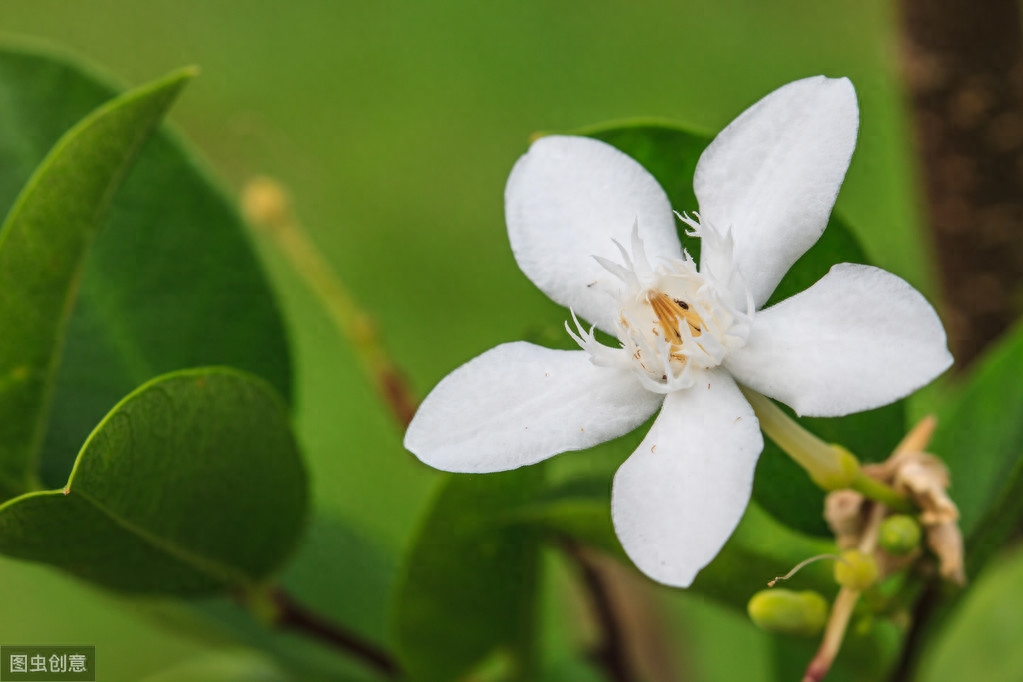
886	495
842	610
267	206
830	467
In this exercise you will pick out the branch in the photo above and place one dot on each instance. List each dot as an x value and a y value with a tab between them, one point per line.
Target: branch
611	653
268	207
291	615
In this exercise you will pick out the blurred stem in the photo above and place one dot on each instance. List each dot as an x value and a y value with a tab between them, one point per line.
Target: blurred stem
611	653
288	614
838	621
842	609
266	205
830	467
878	491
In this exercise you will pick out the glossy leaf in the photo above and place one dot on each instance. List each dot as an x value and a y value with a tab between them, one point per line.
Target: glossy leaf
670	153
42	247
170	280
193	484
470	577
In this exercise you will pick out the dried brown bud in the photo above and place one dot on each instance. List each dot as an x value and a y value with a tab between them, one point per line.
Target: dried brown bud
843	510
946	541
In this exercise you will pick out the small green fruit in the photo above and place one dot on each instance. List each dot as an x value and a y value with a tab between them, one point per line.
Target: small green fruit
788	612
856	570
899	535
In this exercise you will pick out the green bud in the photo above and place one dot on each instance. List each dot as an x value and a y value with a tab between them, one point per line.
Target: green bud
899	535
856	570
788	612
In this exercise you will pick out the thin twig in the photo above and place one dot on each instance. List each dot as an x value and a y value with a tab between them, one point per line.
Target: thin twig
290	615
268	207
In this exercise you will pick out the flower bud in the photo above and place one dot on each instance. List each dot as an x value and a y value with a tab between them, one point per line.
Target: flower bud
856	570
899	535
788	612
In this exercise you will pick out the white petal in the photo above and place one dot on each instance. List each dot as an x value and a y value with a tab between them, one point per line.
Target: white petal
567	198
678	498
857	339
518	404
773	174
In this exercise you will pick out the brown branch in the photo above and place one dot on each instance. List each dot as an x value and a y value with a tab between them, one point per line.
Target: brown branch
963	66
611	653
290	615
923	614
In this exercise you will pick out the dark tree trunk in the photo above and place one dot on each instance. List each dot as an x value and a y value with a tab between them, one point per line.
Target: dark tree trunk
963	65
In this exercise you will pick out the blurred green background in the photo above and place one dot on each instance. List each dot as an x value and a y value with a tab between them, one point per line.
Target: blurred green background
394	126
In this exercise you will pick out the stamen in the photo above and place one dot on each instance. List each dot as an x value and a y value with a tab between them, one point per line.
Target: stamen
670	312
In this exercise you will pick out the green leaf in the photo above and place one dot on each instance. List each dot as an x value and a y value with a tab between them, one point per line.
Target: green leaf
981	641
760	548
469	584
170	281
980	437
43	605
670	153
42	247
193	484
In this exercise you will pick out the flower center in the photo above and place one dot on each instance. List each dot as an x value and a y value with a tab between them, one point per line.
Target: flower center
671	314
673	321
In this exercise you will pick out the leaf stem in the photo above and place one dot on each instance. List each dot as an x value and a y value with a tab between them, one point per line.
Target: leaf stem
290	615
266	204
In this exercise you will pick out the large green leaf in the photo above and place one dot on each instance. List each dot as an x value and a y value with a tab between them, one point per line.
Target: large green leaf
193	484
43	605
233	666
42	247
470	579
670	153
980	437
982	638
170	281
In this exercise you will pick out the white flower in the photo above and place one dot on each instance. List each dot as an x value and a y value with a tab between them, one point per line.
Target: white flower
593	229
